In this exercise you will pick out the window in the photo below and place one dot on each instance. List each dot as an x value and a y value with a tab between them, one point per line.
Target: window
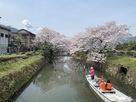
24	37
6	35
2	35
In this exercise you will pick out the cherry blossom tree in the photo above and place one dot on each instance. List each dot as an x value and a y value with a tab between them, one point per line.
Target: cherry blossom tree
96	40
99	39
53	38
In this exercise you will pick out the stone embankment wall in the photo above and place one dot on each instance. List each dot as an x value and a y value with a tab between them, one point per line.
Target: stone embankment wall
12	83
127	76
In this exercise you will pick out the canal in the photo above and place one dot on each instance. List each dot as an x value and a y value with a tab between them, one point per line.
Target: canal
64	81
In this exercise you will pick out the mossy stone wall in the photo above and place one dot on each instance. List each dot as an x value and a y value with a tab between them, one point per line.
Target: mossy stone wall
114	70
12	82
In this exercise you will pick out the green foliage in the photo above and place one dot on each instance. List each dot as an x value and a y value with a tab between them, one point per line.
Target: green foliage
12	82
31	53
46	50
82	55
119	47
127	46
42	45
10	56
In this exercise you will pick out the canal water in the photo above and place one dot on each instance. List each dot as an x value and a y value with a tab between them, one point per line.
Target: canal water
63	81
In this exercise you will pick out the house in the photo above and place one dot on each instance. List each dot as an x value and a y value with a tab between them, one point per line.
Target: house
27	38
4	33
21	41
14	43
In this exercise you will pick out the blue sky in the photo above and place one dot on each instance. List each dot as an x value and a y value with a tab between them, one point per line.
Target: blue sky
67	16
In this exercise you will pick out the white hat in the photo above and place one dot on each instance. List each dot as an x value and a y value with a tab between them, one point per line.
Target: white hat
91	67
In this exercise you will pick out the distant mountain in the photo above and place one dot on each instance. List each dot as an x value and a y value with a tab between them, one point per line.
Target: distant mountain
132	38
129	39
12	29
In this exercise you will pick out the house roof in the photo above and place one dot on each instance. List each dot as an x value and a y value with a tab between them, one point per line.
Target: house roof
5	28
24	31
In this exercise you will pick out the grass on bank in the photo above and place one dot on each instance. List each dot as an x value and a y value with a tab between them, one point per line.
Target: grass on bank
8	67
10	56
123	60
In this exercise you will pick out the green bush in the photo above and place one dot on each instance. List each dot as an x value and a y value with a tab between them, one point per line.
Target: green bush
127	46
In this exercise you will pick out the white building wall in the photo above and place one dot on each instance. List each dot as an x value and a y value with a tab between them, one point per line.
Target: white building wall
3	41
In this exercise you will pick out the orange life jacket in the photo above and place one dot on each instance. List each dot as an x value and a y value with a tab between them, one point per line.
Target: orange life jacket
109	86
99	80
102	85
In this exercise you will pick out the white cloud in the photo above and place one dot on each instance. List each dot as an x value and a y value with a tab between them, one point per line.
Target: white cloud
38	30
27	24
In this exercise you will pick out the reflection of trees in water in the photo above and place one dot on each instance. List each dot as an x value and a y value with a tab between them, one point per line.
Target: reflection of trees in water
53	79
47	79
44	81
78	65
56	75
79	82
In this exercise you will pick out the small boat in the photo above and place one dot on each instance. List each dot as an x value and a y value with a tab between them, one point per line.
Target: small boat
108	95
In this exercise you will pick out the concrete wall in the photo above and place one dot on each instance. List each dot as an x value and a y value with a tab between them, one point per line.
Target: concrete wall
3	41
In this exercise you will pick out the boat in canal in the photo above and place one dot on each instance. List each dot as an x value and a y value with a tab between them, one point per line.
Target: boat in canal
113	95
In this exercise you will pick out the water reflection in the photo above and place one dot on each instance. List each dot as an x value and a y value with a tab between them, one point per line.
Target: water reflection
63	81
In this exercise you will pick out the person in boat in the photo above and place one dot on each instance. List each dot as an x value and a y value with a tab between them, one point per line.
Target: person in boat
102	86
92	73
108	85
99	80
